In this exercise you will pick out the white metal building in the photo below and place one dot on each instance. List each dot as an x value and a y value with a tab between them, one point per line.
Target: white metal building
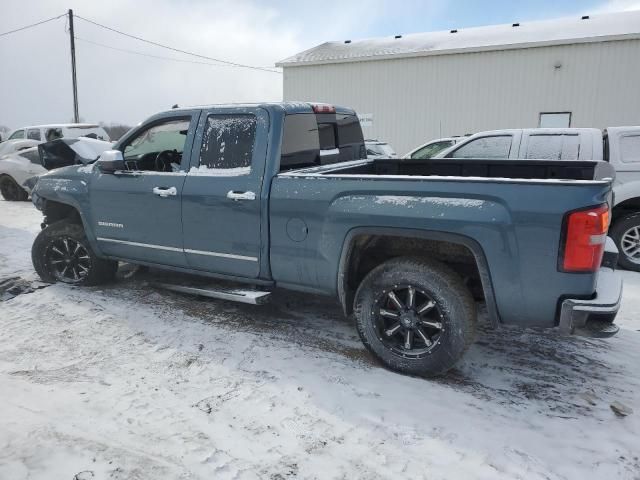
412	88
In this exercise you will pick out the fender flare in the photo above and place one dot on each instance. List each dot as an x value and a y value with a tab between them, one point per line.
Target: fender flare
471	244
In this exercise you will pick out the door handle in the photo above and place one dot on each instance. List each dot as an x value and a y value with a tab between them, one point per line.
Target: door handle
165	192
233	195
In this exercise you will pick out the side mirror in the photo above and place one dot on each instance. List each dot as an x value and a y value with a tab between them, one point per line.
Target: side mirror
111	161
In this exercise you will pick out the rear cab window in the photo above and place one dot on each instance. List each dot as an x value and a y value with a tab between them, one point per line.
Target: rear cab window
227	144
630	148
33	134
311	139
553	147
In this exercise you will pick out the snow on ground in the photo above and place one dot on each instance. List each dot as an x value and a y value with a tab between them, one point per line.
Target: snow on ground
129	382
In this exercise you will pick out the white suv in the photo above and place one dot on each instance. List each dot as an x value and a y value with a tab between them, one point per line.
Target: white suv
45	133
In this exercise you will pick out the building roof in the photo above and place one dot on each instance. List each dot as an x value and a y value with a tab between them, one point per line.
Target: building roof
592	28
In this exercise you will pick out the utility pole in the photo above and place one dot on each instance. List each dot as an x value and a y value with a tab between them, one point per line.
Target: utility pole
76	117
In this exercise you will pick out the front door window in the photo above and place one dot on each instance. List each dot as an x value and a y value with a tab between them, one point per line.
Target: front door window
158	148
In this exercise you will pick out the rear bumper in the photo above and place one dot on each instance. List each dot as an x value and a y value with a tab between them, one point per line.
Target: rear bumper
594	317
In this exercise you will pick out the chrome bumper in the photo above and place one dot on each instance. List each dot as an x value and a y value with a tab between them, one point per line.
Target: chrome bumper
594	317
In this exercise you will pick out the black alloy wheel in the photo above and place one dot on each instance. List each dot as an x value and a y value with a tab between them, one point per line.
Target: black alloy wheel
68	260
408	321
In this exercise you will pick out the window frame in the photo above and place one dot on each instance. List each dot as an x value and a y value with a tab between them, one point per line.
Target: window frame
126	140
484	137
431	144
207	116
554	113
621	139
563	145
37	130
13	137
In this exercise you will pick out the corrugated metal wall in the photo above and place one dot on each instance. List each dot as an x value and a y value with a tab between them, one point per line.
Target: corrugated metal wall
417	99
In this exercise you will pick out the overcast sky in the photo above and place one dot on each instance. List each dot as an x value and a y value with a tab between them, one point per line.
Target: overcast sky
114	86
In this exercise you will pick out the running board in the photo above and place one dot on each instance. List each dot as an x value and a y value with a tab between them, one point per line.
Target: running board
253	297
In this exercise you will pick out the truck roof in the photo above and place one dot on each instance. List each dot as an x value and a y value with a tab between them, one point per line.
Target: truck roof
287	107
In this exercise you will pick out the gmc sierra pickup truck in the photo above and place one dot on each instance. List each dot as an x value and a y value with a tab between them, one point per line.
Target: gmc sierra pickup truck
282	195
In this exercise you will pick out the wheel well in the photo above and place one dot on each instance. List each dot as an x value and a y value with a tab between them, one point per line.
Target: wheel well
55	211
632	205
368	251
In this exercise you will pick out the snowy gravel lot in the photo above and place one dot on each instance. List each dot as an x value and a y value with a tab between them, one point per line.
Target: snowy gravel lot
128	382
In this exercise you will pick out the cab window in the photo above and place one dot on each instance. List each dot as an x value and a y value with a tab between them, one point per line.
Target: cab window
17	134
553	147
157	148
630	148
33	134
227	144
495	147
428	151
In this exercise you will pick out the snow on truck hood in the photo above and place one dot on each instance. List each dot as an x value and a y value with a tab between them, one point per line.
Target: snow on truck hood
71	151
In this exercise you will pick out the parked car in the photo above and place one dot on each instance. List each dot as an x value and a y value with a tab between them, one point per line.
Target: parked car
279	195
13	146
620	146
19	170
15	169
375	148
45	133
432	148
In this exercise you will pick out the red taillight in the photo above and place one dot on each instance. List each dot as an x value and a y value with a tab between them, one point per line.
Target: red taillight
585	236
323	108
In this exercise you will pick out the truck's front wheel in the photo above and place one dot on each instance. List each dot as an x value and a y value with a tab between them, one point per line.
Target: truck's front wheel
61	253
415	315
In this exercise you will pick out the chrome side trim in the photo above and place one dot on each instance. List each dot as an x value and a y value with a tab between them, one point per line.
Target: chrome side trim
137	244
224	255
175	249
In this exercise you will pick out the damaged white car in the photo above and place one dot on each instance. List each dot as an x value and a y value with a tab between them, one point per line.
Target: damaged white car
19	170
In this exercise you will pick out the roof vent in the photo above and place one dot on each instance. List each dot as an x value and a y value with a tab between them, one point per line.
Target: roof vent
347	41
453	31
515	24
398	36
585	17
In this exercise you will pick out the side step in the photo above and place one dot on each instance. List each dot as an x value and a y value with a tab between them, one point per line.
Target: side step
253	297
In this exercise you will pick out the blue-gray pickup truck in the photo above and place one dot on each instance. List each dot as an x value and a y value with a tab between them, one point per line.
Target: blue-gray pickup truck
282	195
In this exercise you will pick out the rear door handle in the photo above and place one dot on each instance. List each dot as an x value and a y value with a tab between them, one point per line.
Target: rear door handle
233	195
165	192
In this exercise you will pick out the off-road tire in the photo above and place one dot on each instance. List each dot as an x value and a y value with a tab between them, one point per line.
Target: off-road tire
618	230
11	191
452	298
100	270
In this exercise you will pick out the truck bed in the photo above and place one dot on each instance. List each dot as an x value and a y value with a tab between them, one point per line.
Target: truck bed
472	168
508	213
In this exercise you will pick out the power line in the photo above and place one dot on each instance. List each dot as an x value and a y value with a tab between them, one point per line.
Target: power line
160	57
234	64
32	25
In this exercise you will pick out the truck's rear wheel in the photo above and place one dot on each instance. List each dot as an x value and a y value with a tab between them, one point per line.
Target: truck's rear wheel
415	315
11	191
61	253
626	233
